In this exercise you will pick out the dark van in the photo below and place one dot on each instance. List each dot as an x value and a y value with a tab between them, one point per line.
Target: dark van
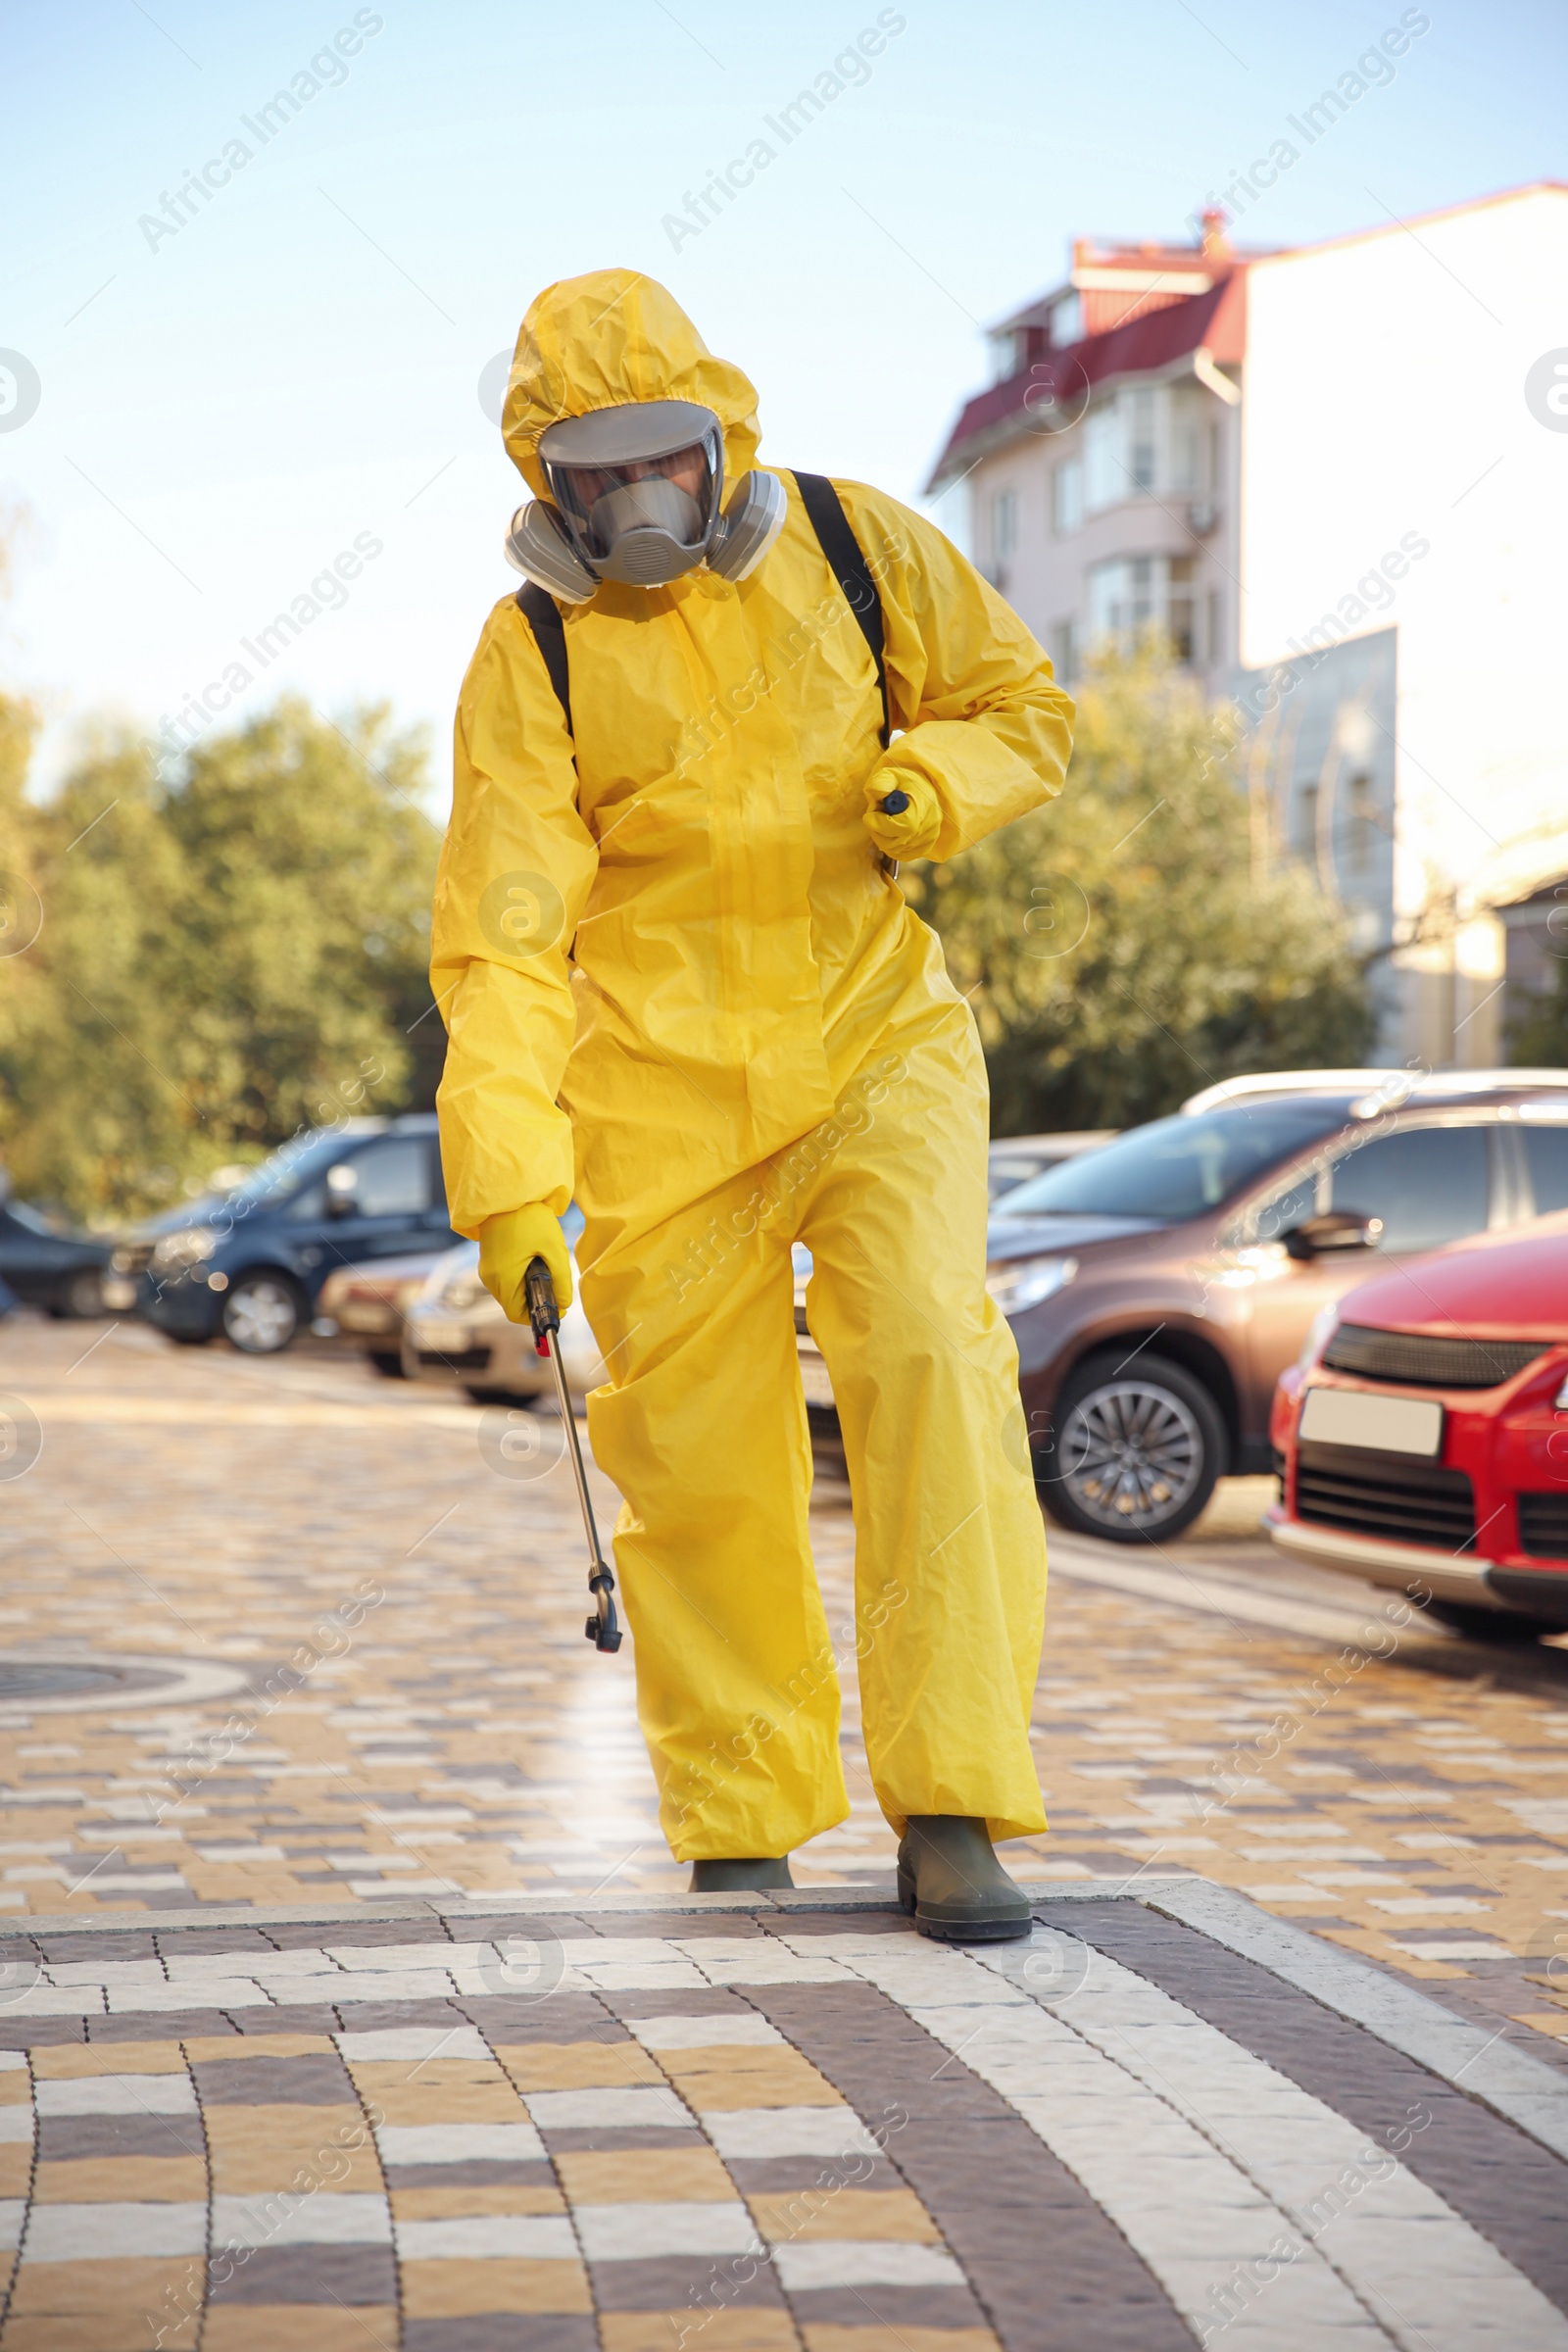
250	1262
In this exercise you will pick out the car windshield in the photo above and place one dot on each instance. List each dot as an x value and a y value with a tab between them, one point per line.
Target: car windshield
33	1219
1178	1167
291	1163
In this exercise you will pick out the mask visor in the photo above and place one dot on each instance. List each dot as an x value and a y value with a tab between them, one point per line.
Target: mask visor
638	487
674	494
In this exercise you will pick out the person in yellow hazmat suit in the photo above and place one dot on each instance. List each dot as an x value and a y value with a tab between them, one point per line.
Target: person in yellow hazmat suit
680	980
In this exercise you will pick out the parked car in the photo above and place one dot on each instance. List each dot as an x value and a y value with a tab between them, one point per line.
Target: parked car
1015	1158
251	1262
45	1263
1423	1433
454	1332
368	1302
1393	1086
1159	1284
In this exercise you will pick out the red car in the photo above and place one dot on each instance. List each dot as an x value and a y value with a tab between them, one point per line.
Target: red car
1424	1432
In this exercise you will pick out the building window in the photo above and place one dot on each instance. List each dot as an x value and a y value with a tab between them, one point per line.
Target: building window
1067	496
1179	605
1121	598
1134	596
1214	646
1122	441
1140	453
1065	651
1003	532
1105	476
1066	321
1185	427
1142	578
1008	346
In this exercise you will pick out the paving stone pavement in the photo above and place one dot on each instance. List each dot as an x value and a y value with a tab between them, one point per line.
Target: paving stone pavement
748	2129
393	1580
370	1596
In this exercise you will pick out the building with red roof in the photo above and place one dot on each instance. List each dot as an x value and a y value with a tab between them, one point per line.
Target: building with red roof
1335	478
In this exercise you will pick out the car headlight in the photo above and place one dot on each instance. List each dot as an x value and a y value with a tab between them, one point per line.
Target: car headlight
463	1291
186	1247
1323	1327
1020	1281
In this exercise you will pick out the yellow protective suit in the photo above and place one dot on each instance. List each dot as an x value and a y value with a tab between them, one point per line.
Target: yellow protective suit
681	983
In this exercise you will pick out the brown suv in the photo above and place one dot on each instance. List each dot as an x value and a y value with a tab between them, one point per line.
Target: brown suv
1159	1286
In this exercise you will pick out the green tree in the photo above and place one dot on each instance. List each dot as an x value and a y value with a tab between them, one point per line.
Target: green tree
222	960
95	1116
1119	948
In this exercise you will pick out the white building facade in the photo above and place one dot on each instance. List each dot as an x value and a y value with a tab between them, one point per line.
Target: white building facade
1336	478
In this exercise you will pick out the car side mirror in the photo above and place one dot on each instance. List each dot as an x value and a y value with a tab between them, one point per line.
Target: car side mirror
1336	1229
342	1190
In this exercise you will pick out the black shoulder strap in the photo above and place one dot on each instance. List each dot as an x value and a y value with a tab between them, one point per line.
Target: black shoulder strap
543	615
847	560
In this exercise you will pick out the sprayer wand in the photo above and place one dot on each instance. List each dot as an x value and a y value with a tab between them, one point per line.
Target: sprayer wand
602	1628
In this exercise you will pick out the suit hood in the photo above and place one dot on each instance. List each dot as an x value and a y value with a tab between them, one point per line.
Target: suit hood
612	336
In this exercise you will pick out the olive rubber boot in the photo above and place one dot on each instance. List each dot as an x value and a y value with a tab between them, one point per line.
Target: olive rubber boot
950	1881
729	1877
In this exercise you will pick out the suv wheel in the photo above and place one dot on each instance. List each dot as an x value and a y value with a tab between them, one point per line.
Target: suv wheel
1136	1452
262	1314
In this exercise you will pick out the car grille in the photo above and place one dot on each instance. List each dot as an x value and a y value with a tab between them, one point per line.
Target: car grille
132	1257
1544	1525
367	1314
456	1359
1383	1494
1423	1363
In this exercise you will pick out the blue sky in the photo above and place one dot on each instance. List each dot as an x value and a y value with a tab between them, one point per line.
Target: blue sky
225	409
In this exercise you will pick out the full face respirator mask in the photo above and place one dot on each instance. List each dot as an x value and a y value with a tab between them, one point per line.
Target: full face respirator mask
636	496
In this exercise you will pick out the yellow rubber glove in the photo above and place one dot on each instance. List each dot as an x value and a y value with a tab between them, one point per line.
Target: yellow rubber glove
507	1247
912	831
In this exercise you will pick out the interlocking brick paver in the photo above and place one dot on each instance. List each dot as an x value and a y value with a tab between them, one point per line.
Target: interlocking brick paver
307	2274
279	2328
741	2130
1513	2190
990	2168
1333	1786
